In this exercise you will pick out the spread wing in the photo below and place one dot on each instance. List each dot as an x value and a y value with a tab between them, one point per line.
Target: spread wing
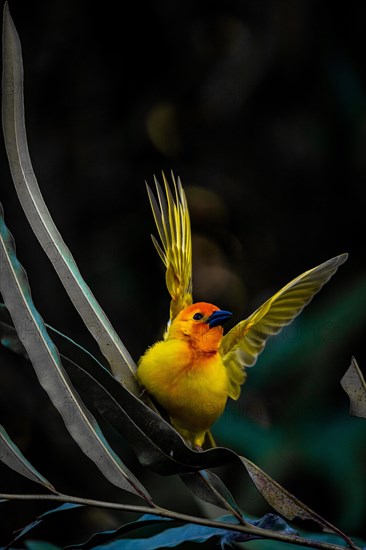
241	346
171	216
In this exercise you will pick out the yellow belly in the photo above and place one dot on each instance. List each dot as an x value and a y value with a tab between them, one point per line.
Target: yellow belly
192	387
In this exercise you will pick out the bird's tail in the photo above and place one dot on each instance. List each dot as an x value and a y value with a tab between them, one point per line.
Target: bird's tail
171	216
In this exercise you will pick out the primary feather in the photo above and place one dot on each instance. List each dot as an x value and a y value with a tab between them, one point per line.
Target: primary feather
194	369
241	346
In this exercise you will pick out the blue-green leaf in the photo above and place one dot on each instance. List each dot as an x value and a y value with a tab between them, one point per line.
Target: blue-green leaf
168	538
176	536
11	455
173	536
41	545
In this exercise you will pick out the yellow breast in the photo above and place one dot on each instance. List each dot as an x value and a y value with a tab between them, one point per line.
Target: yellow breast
191	386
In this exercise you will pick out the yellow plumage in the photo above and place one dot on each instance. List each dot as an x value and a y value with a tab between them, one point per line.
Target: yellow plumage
192	388
195	368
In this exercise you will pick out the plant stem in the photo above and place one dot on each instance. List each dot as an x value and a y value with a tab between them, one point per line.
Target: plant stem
177	516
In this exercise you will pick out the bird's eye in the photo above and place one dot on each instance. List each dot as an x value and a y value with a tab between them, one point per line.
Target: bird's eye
197	316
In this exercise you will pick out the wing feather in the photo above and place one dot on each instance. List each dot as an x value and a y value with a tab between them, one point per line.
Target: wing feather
171	215
241	346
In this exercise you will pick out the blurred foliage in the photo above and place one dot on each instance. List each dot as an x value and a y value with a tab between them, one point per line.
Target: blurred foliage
260	108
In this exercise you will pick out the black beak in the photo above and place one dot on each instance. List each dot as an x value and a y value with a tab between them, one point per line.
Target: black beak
218	318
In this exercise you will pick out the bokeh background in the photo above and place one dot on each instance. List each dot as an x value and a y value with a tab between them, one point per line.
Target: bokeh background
260	108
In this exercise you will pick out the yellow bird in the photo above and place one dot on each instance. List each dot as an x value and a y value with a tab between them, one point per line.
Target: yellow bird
195	368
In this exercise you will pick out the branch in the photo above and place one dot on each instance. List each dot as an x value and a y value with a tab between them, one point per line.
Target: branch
184	518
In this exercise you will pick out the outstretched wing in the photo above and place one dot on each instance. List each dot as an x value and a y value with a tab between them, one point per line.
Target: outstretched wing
172	221
241	346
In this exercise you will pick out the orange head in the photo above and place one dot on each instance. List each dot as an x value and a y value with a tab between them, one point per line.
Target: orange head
201	325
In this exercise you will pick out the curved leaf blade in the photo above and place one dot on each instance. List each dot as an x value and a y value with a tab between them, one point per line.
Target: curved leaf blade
156	443
12	456
354	385
26	185
45	358
284	502
25	530
97	539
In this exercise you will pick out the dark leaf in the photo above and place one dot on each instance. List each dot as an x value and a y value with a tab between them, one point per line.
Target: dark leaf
13	457
46	361
39	520
272	522
156	443
354	385
209	487
9	339
148	520
8	335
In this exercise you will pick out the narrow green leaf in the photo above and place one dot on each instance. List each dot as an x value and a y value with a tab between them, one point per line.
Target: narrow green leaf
157	444
354	385
11	455
122	365
46	361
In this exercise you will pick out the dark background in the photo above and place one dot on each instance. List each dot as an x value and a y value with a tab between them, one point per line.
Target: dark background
260	108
